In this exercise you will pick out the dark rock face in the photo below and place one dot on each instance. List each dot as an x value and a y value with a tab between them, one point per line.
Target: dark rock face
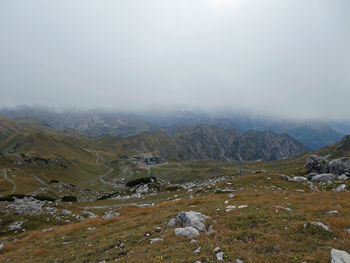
319	165
323	178
339	166
210	142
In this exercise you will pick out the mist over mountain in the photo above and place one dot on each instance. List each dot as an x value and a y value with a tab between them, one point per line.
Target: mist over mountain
101	122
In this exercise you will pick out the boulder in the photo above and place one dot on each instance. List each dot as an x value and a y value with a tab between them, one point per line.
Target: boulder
316	164
343	177
323	178
287	178
189	232
340	188
339	256
299	179
220	256
339	166
172	222
110	215
311	175
191	219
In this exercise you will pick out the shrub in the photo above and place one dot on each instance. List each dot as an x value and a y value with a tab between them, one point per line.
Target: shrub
69	198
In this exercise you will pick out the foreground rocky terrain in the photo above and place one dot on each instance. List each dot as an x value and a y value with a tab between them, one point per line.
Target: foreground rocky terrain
259	217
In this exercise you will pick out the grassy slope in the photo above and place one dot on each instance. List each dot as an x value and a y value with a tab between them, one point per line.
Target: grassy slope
82	169
255	234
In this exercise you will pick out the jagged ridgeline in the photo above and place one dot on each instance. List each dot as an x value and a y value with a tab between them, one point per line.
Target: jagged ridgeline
188	143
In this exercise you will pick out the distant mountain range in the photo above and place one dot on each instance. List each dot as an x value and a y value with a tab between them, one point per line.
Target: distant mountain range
313	134
100	123
188	143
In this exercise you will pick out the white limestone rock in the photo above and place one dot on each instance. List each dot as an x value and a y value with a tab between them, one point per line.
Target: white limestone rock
191	219
339	256
189	232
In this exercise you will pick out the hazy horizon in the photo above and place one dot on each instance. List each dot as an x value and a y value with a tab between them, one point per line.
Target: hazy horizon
288	59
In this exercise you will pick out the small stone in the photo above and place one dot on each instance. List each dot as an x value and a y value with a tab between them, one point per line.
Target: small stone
325	227
239	260
285	208
230	208
110	215
242	206
340	188
299	179
66	212
15	225
216	250
332	212
193	241
230	195
171	222
343	177
220	256
197	251
154	240
210	230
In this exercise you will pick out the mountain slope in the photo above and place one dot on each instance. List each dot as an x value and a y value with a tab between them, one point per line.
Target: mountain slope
336	150
188	143
202	142
94	123
314	135
8	127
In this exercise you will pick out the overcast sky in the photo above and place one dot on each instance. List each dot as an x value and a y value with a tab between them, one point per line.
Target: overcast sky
289	58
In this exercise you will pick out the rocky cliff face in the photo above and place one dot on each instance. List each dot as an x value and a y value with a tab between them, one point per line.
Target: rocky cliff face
188	143
202	142
320	165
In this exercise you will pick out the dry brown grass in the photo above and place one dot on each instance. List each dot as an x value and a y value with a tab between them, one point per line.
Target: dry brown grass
254	234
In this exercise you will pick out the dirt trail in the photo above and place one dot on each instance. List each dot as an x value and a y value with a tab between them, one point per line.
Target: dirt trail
8	179
101	179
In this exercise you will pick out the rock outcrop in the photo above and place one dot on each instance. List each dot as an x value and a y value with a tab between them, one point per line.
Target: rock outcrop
322	170
316	164
191	219
339	256
323	178
110	215
320	165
